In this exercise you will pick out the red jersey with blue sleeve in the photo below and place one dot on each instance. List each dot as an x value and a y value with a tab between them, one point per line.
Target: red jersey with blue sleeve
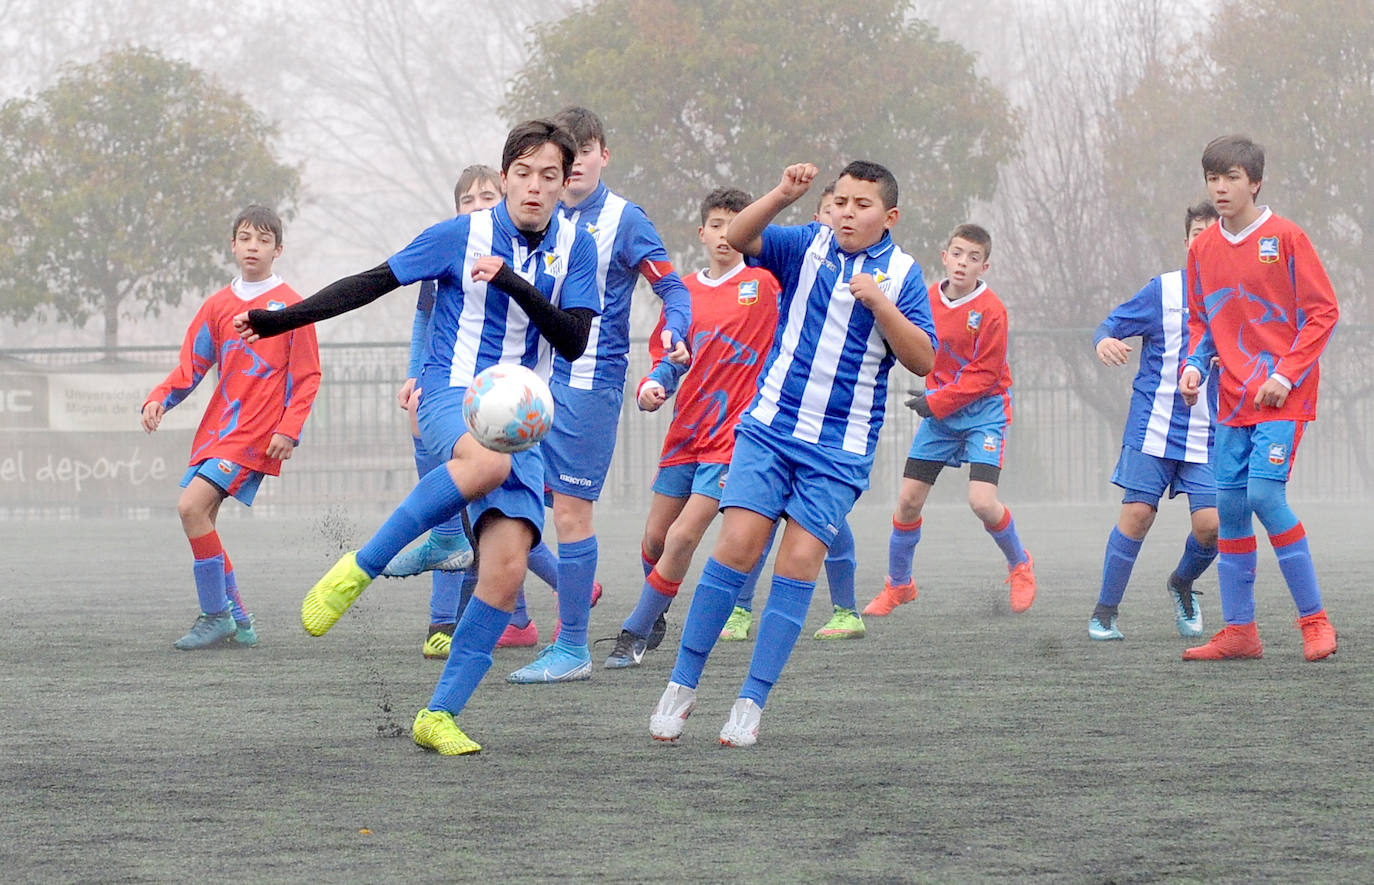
971	361
1259	300
733	321
264	388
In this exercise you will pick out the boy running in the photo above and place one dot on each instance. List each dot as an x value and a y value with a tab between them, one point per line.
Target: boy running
252	423
1258	299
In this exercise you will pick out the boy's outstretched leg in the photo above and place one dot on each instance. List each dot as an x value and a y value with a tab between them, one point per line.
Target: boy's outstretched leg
1239	638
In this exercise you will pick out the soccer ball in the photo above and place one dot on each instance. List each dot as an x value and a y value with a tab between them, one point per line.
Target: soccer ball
508	408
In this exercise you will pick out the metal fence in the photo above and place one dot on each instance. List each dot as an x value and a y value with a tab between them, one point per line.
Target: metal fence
356	452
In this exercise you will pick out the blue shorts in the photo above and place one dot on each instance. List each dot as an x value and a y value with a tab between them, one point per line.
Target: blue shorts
234	480
694	478
577	451
1146	478
1264	450
773	475
520	496
976	434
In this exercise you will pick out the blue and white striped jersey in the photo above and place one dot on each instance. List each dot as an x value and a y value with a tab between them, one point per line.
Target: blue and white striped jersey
625	241
476	325
1159	422
825	380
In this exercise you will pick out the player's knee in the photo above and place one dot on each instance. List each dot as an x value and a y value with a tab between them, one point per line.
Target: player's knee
1136	519
652	546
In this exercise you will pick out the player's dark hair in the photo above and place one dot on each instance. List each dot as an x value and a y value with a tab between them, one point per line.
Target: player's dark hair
1233	150
975	234
826	191
1205	209
470	176
530	136
584	125
731	199
864	170
258	217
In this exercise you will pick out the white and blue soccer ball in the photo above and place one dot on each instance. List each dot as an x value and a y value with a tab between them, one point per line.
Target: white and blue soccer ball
508	408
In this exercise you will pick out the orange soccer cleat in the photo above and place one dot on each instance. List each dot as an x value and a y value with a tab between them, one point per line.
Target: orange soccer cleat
890	598
1318	636
1021	577
1233	642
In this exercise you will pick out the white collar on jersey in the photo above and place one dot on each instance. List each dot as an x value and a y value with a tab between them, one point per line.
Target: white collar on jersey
1233	239
977	290
249	291
725	277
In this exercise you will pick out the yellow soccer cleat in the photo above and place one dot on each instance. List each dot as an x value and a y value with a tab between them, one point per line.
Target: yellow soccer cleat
436	730
333	594
437	645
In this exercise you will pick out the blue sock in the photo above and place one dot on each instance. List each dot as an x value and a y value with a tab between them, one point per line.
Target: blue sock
654	599
712	602
465	596
1236	556
434	499
576	572
1195	560
901	549
469	657
1295	561
444	597
209	574
231	591
545	565
1116	567
840	565
745	599
781	624
1007	540
521	616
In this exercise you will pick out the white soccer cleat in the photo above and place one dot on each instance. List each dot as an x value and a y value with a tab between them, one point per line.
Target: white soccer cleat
670	716
742	728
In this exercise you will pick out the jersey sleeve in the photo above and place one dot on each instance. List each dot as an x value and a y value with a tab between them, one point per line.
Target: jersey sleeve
436	253
1134	318
1201	348
302	381
579	286
1317	311
782	251
663	371
419	328
643	249
198	352
914	303
982	374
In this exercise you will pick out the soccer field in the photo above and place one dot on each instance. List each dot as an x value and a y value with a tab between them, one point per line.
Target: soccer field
956	743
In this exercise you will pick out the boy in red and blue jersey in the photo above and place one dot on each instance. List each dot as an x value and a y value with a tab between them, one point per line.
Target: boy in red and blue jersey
734	315
966	407
252	423
852	303
1259	301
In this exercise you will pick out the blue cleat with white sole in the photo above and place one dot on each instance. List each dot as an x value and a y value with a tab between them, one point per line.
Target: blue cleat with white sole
556	663
1104	631
444	553
1187	612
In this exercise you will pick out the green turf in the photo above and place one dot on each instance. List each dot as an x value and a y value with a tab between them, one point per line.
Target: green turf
957	743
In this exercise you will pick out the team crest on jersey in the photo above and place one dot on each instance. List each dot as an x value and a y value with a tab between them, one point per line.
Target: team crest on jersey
553	264
748	291
884	282
1269	250
591	229
975	319
989	443
225	467
276	305
1278	453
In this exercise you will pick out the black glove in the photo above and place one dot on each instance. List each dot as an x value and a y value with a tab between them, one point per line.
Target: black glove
917	403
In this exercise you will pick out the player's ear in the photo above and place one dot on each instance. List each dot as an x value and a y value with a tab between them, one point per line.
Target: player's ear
892	215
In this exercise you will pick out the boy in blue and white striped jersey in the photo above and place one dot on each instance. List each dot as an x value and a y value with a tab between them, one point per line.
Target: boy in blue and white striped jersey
1166	446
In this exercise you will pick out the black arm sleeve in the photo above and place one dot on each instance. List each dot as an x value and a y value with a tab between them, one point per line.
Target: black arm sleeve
338	297
566	330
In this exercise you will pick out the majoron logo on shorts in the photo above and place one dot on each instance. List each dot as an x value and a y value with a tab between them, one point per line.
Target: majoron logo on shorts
575	480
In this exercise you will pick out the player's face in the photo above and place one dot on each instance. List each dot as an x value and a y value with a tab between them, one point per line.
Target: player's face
964	263
533	184
858	215
1232	192
1197	226
254	251
823	212
481	195
712	236
591	158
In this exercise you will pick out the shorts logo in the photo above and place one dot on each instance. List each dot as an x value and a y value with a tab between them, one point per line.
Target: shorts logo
553	264
1278	453
989	443
723	477
276	305
975	319
225	467
748	291
1269	250
575	480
